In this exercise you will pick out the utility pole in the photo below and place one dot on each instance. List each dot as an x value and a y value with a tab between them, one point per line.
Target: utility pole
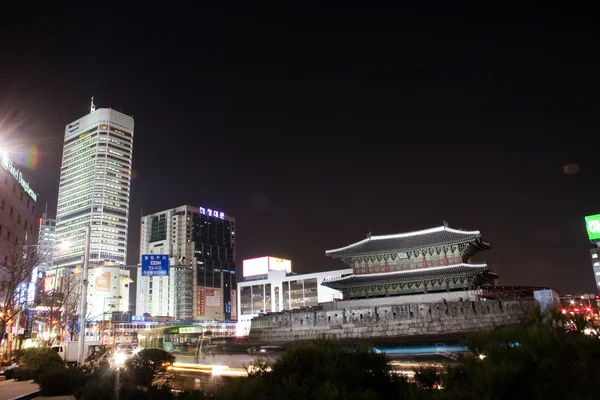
84	286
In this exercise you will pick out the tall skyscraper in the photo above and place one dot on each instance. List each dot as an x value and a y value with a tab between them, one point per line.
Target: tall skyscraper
201	285
94	188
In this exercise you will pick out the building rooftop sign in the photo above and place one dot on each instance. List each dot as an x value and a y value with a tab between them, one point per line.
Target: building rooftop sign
592	225
212	213
8	165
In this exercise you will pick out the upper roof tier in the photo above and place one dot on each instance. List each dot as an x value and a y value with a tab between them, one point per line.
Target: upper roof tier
404	242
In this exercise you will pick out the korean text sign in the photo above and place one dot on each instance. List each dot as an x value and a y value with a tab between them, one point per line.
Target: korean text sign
155	265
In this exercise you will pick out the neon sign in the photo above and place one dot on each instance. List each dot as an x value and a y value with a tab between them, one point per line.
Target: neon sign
212	213
8	165
592	224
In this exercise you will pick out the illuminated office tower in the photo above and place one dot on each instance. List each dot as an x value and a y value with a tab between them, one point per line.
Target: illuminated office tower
94	188
201	285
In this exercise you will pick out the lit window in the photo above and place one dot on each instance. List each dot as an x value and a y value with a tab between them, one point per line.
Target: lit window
597	264
594	255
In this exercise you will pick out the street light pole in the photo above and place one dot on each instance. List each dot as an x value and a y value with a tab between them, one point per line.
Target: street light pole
84	285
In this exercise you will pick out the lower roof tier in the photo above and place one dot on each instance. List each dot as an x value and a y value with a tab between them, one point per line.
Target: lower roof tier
477	273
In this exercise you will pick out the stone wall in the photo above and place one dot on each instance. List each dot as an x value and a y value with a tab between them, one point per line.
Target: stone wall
390	321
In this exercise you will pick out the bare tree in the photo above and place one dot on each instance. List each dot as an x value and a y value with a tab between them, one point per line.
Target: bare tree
60	304
72	297
17	263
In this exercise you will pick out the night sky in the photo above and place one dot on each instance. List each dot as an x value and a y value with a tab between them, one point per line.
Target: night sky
313	126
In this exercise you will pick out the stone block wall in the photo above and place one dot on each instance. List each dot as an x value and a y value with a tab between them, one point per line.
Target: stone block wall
389	321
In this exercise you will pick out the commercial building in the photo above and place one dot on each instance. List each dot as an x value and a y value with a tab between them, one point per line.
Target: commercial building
431	260
46	240
201	281
592	224
94	188
278	289
18	223
18	226
108	291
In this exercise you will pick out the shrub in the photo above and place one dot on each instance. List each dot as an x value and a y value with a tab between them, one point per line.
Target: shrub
149	366
427	377
191	395
33	362
58	382
17	373
321	369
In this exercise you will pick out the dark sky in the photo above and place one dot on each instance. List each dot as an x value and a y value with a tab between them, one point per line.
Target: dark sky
315	125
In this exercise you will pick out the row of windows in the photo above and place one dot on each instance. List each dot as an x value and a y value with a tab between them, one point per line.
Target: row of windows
16	216
22	196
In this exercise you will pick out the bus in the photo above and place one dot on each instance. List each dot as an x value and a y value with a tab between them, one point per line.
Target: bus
189	338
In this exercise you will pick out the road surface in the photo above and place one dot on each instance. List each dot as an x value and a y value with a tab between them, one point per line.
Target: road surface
11	388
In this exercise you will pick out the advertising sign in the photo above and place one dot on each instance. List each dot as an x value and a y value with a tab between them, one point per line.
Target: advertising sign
213	297
102	283
255	266
212	213
233	304
48	283
29	324
8	165
155	265
201	306
592	225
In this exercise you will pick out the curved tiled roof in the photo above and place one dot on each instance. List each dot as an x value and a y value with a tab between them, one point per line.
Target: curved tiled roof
445	272
403	242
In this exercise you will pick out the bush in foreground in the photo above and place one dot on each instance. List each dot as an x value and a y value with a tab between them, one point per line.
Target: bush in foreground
33	362
321	370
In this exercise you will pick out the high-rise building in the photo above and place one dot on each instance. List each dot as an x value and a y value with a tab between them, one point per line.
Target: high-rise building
201	284
46	239
94	188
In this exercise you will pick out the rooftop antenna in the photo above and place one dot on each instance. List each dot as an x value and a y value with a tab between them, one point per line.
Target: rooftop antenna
46	211
92	105
369	235
446	224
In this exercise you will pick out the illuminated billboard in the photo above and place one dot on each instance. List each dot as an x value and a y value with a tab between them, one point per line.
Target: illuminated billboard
592	225
262	266
103	282
255	266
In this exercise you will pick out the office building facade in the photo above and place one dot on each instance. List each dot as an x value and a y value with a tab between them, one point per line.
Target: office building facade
46	240
200	243
18	227
94	188
18	223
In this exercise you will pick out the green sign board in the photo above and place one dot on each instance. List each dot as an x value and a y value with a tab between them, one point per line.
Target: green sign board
592	225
